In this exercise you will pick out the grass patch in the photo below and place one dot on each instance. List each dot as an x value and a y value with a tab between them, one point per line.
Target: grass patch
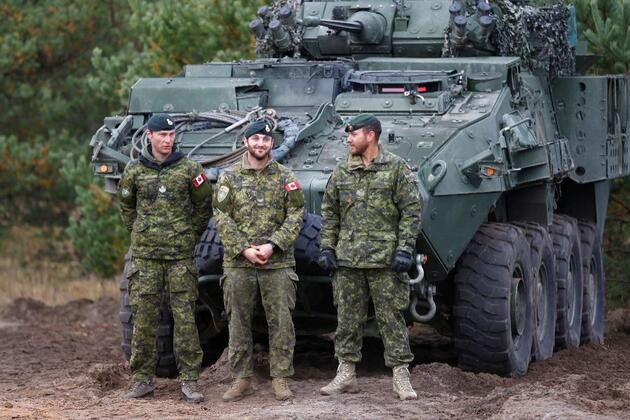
39	263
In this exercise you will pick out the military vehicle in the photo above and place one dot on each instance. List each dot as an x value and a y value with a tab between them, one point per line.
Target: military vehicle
514	147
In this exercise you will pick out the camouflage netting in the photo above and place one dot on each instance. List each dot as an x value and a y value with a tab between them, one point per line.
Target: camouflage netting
535	34
265	45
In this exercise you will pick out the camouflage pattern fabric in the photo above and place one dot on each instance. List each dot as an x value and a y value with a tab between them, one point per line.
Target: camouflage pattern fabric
253	208
166	206
148	280
369	212
352	289
277	290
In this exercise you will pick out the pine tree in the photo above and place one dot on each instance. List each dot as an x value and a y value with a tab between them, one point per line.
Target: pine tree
604	24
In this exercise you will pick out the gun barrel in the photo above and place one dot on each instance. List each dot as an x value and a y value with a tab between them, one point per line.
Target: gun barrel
342	25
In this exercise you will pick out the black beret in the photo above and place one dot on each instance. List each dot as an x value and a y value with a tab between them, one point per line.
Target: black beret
261	126
360	121
161	122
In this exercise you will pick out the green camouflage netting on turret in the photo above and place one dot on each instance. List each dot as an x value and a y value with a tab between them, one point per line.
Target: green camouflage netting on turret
535	34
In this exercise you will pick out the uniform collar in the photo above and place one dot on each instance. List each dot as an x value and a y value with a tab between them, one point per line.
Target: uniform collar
147	159
355	162
247	167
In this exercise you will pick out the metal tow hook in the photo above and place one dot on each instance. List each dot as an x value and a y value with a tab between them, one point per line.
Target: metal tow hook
424	289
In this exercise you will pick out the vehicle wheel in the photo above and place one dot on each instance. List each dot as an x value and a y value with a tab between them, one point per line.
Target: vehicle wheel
594	297
209	251
545	289
566	246
307	245
493	311
166	366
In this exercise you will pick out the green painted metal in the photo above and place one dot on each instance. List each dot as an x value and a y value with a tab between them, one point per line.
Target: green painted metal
489	138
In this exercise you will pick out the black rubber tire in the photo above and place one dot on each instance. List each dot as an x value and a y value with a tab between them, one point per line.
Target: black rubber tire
543	265
166	366
307	245
493	308
594	296
565	235
209	251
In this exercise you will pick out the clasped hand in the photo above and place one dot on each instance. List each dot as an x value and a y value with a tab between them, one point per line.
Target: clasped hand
258	254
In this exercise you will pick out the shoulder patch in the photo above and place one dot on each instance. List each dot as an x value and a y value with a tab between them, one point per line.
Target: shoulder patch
199	179
292	186
222	193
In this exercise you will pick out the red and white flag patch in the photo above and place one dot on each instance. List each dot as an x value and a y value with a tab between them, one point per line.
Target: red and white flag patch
292	186
199	179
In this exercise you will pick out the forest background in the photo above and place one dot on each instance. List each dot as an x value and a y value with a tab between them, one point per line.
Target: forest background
66	64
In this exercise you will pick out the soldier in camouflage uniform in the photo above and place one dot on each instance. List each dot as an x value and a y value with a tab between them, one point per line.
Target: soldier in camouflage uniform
259	208
370	222
166	202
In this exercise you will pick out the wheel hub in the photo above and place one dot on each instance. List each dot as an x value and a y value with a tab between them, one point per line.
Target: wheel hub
571	298
592	293
518	304
541	301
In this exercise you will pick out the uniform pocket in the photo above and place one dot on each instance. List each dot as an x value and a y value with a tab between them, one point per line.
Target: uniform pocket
401	291
225	283
183	278
292	288
381	248
132	278
345	246
347	196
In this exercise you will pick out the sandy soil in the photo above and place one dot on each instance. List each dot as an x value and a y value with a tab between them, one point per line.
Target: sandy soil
65	362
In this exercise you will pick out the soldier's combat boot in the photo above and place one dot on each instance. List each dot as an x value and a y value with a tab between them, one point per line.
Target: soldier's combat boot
281	389
190	392
402	386
345	381
239	389
140	390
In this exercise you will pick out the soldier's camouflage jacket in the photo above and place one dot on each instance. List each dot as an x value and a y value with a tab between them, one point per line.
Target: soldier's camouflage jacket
369	212
254	208
166	206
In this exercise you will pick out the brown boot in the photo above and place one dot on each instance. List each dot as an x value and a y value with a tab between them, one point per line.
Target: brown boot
281	389
240	388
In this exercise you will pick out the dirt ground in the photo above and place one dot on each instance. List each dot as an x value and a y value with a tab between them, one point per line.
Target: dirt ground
66	362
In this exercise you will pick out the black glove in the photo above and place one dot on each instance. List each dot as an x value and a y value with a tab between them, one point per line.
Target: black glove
402	262
327	260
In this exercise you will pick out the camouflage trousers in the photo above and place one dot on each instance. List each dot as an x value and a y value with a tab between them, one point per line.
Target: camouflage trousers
277	292
148	280
352	288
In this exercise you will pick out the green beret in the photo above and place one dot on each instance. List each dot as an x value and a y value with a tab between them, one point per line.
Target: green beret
360	121
261	126
161	122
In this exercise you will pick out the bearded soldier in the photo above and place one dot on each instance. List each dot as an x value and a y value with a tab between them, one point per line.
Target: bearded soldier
259	208
166	202
370	222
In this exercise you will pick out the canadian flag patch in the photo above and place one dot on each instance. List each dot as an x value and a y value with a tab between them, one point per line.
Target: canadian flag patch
199	179
292	186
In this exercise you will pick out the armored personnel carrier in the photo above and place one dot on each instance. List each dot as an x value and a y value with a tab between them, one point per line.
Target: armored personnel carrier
514	149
